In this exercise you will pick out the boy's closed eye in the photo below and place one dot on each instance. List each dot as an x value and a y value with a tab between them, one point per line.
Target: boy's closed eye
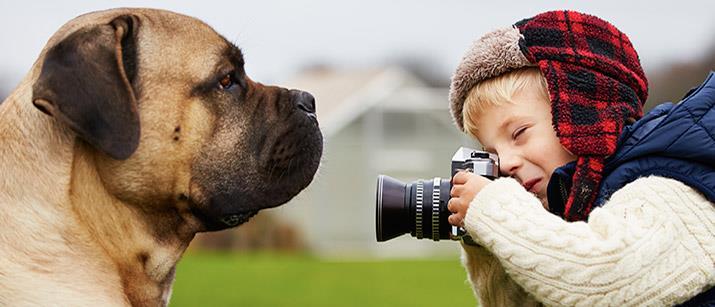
518	132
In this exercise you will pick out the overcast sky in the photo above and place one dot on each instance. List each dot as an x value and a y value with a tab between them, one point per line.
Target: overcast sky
280	37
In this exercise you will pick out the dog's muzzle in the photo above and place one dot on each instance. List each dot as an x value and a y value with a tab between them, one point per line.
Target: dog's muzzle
288	153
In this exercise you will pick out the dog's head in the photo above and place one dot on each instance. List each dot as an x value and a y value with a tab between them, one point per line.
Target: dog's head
164	106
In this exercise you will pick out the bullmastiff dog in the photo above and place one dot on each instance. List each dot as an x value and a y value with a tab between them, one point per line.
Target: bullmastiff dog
134	130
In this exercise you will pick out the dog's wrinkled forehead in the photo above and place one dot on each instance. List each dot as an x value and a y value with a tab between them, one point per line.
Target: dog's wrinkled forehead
168	42
186	47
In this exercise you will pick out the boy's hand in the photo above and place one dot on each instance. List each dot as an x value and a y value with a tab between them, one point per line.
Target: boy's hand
465	186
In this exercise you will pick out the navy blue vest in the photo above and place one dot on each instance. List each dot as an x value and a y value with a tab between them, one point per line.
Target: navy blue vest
673	141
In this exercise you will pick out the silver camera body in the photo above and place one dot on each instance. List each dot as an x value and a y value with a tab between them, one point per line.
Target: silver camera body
476	161
420	207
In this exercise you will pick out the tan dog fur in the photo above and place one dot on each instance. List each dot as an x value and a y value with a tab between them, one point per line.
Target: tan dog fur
80	228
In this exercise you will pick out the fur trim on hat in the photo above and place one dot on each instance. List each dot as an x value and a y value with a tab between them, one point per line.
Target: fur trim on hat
493	54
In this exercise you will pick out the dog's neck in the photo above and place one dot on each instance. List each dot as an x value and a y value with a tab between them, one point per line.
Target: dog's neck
128	233
34	154
47	170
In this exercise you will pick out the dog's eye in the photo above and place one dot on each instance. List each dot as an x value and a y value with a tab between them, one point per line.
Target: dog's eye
226	82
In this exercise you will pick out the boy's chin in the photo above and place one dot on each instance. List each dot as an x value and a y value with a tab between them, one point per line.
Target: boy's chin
544	202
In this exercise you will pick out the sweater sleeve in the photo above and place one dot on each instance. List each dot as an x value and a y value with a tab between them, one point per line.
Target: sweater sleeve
491	284
652	243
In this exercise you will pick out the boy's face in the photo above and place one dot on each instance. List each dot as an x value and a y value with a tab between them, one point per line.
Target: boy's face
522	135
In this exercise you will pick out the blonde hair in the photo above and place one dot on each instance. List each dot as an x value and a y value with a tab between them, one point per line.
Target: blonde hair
497	91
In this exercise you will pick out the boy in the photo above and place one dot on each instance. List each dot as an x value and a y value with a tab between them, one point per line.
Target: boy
557	98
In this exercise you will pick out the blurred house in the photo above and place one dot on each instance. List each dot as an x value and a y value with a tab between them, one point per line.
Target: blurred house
374	121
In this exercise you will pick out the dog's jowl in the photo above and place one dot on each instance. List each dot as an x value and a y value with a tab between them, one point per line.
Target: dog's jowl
134	130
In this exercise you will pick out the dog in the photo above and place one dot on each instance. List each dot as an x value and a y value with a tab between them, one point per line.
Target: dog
134	130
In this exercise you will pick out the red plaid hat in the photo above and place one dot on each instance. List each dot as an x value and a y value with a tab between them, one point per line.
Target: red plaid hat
595	84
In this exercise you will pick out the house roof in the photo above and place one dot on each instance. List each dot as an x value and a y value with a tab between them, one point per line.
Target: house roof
343	95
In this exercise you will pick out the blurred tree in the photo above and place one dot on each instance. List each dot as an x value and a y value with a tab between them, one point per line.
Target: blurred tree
674	80
263	232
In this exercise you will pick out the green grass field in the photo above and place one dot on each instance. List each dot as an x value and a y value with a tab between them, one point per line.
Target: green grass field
216	279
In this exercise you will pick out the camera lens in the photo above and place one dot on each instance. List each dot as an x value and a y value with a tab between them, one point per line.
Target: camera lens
418	208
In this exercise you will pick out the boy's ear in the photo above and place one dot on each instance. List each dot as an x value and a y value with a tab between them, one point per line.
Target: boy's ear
86	83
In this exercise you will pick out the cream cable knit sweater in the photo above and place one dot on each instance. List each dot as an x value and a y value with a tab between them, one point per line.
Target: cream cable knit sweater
652	243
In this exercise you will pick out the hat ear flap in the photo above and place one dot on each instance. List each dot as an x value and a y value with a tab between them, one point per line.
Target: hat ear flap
86	83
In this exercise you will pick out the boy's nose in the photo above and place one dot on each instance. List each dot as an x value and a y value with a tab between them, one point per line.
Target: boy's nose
509	164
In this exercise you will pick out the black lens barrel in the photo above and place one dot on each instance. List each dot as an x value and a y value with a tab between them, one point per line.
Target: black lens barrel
392	212
418	208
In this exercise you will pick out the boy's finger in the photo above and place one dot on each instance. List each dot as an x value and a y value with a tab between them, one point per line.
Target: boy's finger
460	177
456	190
453	205
455	219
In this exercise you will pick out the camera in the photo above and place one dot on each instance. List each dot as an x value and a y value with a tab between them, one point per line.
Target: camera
420	207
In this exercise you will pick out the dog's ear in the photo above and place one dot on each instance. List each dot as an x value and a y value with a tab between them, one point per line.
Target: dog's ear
86	83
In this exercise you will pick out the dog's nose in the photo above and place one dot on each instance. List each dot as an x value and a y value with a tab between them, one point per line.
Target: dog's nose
304	101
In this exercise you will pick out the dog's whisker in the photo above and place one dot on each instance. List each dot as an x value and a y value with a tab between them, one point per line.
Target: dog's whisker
290	161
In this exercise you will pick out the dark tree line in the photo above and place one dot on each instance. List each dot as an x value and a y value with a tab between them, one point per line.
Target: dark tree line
670	82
